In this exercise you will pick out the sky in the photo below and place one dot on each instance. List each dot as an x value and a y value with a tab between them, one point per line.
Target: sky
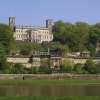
35	12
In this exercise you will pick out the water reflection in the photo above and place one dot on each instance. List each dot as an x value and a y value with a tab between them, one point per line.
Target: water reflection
49	90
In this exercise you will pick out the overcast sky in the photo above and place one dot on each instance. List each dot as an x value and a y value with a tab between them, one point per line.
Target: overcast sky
34	12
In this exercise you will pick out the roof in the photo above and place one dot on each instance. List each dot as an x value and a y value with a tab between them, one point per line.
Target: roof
30	27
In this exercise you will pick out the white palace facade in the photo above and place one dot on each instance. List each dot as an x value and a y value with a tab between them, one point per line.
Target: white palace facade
32	33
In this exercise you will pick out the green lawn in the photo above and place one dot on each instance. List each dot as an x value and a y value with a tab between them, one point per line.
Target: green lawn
52	98
50	82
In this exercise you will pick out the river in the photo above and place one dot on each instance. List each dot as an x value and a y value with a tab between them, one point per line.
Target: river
91	90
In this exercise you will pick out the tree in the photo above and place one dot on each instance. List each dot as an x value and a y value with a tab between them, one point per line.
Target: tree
18	69
34	70
61	47
2	56
90	66
67	66
26	49
5	67
13	48
94	37
82	33
36	46
6	36
78	68
97	68
67	33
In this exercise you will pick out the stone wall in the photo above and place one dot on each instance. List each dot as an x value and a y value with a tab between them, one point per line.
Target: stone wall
18	60
82	60
24	61
36	61
53	61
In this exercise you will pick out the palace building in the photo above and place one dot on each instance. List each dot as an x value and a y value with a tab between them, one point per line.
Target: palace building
35	34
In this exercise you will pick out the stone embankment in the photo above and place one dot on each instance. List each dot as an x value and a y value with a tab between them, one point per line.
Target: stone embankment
48	76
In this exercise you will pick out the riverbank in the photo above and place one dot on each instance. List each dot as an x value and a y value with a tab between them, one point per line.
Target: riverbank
53	82
52	98
57	76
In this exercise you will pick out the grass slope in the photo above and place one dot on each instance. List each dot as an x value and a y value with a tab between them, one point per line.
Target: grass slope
52	98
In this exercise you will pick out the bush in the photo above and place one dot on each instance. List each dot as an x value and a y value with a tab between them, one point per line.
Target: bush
90	66
18	69
67	66
34	70
97	70
45	70
67	69
78	68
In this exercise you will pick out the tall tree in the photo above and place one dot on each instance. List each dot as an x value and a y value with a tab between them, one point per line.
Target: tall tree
6	36
2	56
26	49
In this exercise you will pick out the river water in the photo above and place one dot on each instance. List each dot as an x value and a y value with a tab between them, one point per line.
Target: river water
50	90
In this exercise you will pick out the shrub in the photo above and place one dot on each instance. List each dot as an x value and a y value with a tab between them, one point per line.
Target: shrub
90	66
78	68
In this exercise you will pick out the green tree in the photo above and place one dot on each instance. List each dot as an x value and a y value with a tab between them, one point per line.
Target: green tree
13	48
6	36
82	33
67	33
94	37
61	47
26	49
90	66
97	68
34	70
5	67
78	68
67	66
2	56
18	69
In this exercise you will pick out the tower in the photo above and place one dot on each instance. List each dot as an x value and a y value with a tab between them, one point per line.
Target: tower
12	21
49	24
